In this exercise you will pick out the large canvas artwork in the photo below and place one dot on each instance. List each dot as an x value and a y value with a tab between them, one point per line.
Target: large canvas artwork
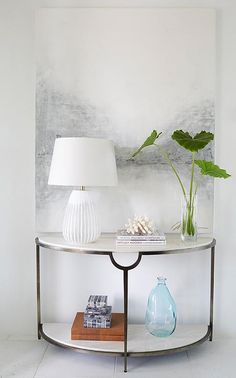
119	74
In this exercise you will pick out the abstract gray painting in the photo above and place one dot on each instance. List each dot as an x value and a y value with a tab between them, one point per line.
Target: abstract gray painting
119	74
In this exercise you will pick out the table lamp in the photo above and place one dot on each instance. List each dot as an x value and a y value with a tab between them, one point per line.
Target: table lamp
81	162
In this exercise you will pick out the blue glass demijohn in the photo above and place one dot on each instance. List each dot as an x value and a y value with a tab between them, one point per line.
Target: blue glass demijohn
160	317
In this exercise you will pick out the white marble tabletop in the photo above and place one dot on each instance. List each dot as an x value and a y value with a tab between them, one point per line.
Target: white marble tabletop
107	243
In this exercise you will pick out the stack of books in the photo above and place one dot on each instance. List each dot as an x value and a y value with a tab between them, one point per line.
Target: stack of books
97	313
156	238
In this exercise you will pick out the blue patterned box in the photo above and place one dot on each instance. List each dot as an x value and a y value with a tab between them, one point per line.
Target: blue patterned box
97	323
97	301
98	310
98	319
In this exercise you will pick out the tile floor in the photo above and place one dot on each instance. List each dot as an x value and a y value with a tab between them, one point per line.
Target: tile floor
38	359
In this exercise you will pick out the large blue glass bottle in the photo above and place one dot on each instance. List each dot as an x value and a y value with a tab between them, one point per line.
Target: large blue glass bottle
160	317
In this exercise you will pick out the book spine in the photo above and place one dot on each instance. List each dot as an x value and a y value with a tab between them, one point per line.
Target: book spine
144	238
140	242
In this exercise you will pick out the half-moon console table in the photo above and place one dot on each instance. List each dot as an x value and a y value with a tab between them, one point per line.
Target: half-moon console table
137	341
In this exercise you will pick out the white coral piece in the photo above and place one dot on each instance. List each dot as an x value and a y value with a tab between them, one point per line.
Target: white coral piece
140	225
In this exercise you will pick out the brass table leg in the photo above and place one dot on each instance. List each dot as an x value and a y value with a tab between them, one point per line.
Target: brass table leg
38	290
212	290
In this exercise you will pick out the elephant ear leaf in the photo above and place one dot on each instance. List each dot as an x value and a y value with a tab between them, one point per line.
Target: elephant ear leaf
211	169
148	142
193	144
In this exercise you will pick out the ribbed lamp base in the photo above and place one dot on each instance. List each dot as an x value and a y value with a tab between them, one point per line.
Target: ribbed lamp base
80	223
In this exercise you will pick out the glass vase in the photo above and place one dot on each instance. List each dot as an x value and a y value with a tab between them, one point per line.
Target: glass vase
189	218
160	319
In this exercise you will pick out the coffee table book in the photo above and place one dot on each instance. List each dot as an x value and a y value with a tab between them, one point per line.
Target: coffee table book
115	333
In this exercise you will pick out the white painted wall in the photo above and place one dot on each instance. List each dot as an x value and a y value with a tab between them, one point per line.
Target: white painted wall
17	297
17	272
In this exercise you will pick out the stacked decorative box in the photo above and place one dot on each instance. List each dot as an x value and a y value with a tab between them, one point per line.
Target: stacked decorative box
98	322
97	313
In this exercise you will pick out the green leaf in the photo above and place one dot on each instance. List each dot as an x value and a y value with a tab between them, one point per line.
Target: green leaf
148	142
194	144
210	169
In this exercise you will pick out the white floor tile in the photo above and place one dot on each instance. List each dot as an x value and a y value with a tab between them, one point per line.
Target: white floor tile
20	358
37	359
172	365
22	338
3	337
156	374
215	359
65	363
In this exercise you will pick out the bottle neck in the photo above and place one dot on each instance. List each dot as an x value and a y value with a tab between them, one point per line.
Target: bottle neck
161	280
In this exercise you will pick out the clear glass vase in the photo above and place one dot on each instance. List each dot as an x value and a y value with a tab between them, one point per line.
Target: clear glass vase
189	218
160	317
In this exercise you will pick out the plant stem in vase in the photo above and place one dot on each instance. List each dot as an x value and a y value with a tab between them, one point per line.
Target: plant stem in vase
189	219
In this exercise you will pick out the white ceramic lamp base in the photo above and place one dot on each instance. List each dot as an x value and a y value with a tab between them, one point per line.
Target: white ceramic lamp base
80	223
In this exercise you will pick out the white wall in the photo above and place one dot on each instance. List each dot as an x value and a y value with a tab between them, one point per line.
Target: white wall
17	271
17	299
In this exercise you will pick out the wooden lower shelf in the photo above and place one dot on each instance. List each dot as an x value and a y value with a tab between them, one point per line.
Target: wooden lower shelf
140	342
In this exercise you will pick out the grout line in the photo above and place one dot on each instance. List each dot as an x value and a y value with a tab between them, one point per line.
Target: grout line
114	370
37	368
192	371
188	356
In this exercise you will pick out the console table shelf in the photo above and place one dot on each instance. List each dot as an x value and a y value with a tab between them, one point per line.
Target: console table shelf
140	342
137	341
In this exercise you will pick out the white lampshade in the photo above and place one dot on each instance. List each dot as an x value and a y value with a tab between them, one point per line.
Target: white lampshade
83	162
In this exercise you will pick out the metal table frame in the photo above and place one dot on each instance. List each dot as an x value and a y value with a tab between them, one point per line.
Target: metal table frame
126	269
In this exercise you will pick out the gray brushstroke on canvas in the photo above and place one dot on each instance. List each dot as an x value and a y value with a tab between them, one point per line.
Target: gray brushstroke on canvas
60	114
